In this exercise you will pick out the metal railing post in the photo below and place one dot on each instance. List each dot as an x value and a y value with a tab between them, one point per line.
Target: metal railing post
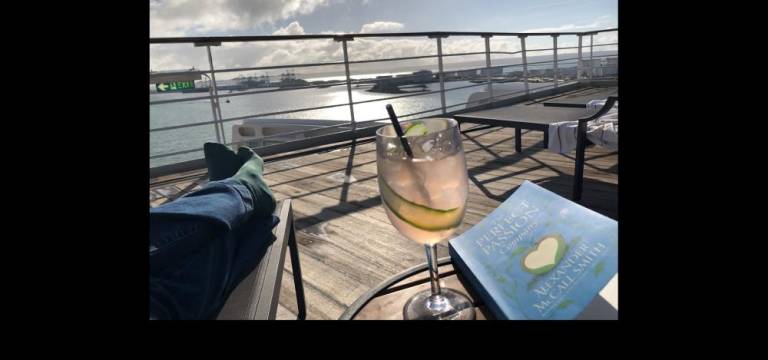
440	68
223	139
580	64
213	110
488	65
525	63
349	81
591	64
554	62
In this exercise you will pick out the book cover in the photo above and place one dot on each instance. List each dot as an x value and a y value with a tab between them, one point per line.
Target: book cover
538	256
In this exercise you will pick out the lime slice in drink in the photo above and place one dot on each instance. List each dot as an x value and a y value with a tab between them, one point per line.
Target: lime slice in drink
416	129
419	216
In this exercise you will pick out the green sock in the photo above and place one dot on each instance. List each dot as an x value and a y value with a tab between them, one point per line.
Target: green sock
245	154
250	174
222	162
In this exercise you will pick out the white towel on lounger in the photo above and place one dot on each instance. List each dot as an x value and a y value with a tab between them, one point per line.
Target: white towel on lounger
603	131
562	136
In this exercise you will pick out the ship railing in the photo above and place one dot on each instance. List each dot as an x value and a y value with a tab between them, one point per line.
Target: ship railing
585	71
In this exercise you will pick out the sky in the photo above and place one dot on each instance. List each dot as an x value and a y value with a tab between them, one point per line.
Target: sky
174	18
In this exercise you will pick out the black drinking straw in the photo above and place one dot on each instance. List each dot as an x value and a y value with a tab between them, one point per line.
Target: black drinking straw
399	130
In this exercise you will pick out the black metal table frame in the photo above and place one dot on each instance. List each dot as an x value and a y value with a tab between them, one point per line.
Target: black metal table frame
384	287
581	139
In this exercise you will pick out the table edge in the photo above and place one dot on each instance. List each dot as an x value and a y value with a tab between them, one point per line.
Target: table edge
364	299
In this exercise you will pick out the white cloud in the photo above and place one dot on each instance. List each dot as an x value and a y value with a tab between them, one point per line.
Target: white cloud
229	55
293	28
270	53
185	17
601	23
549	5
563	28
381	26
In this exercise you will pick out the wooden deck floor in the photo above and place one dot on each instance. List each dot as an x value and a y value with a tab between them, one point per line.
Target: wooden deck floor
346	242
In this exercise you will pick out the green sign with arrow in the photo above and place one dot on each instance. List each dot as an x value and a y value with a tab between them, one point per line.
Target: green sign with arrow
175	85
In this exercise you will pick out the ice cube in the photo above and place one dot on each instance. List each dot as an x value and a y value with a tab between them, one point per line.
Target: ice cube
426	146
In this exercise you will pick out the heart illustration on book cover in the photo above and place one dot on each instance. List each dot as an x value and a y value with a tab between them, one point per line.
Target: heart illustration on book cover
547	253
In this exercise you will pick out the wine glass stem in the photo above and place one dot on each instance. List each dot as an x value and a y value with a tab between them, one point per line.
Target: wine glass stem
433	274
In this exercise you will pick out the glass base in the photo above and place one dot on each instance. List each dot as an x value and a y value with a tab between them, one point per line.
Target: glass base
449	305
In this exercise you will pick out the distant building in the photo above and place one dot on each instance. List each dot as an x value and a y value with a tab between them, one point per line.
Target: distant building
586	65
423	76
607	67
461	74
611	67
566	73
571	71
495	71
389	84
288	76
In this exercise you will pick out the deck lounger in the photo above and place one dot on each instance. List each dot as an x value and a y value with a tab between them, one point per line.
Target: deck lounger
256	297
538	118
581	145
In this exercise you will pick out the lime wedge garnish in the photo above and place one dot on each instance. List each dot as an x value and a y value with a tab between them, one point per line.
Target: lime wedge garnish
416	129
419	216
